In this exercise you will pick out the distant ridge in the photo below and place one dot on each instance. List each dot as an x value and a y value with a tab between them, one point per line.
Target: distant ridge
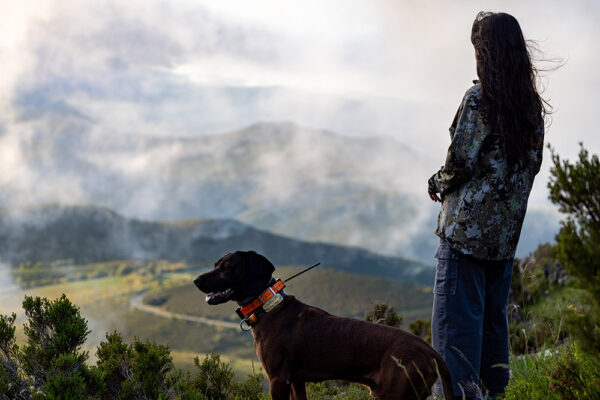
92	234
307	183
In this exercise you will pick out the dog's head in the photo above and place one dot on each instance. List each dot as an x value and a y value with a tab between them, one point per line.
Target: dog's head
236	276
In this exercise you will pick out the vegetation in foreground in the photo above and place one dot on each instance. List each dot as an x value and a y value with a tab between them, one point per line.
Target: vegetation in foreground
52	365
565	372
555	329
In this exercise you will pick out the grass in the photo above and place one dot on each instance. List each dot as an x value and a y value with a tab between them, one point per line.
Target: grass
544	321
557	373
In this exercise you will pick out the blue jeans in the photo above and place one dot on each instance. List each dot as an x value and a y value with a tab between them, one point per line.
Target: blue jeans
469	323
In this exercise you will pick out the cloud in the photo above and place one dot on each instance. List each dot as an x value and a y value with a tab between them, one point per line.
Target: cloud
85	75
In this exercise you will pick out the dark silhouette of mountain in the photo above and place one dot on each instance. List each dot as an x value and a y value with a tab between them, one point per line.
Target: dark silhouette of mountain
93	234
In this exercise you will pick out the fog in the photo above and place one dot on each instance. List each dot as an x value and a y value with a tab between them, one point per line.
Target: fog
83	80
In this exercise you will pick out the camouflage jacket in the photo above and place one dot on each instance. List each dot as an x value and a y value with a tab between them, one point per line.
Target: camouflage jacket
483	197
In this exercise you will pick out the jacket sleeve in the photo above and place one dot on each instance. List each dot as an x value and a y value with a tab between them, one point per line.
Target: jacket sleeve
468	133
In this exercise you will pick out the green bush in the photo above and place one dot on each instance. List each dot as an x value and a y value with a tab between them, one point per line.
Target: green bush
129	371
14	383
563	373
538	301
65	379
54	328
52	357
253	388
575	188
384	314
214	377
51	364
421	328
111	356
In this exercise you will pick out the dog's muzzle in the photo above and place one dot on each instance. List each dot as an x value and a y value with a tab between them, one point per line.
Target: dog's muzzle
198	282
213	298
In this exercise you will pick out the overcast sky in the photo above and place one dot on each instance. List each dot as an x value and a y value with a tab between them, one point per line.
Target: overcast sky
360	68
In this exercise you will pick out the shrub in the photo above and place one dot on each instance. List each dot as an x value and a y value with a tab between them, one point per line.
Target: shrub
214	377
421	328
575	188
54	328
253	388
52	356
51	364
14	384
65	378
537	301
384	314
141	369
111	356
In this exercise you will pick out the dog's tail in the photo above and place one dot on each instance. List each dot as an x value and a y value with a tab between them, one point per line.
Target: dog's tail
444	375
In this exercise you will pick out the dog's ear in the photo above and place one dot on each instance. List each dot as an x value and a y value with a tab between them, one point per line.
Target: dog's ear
258	272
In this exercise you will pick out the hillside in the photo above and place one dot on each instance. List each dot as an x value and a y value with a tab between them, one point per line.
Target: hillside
92	234
291	180
338	292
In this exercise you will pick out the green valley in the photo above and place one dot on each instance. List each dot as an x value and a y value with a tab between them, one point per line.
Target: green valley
105	291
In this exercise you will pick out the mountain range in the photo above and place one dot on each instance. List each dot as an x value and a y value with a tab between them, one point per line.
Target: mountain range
284	178
93	234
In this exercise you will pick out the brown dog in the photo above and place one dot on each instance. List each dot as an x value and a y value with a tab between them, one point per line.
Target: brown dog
298	343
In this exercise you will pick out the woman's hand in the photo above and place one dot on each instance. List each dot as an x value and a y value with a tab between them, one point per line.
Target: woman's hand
432	189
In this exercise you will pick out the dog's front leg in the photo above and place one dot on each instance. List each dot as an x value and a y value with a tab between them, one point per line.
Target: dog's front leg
280	389
299	391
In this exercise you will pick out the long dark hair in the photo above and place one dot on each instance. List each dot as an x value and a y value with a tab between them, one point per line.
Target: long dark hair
511	102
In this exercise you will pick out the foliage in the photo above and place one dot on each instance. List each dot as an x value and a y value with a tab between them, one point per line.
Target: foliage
563	373
14	383
536	275
51	364
252	388
421	328
537	301
54	328
52	357
146	369
137	368
66	378
214	377
337	390
575	188
384	314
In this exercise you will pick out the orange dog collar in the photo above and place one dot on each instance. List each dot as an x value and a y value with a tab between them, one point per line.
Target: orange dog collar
246	312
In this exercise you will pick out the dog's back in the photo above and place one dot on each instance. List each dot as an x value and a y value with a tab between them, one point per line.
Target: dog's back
313	345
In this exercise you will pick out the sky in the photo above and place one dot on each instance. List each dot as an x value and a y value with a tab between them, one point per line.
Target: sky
359	68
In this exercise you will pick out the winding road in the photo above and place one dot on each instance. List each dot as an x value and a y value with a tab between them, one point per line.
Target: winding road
136	302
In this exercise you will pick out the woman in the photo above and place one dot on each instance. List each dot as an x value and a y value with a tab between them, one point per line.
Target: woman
494	155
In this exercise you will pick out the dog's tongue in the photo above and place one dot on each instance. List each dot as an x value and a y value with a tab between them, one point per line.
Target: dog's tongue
219	297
